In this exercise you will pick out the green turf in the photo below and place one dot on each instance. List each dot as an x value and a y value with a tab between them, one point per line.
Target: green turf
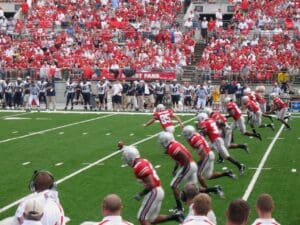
89	141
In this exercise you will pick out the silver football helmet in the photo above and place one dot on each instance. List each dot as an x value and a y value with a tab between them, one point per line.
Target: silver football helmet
188	131
227	100
202	116
245	99
160	107
207	110
129	154
165	138
272	95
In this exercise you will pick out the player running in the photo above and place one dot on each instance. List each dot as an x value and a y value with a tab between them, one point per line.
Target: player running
153	193
165	118
255	114
206	155
185	169
225	129
280	108
239	122
209	127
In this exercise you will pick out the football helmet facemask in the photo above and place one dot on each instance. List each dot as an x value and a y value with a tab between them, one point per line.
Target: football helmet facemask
129	154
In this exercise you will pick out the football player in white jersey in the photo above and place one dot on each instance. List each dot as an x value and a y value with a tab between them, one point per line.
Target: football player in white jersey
43	187
70	91
1	92
8	90
101	90
18	91
175	94
42	84
188	92
160	89
86	92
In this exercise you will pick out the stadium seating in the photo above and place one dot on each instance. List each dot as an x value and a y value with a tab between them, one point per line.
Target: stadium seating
263	39
136	34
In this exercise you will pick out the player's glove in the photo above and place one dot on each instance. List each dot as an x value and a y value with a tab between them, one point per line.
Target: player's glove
137	197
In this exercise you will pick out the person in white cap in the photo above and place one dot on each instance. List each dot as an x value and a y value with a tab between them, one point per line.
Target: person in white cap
33	212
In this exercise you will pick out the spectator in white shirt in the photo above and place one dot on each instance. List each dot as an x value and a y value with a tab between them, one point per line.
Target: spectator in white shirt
264	208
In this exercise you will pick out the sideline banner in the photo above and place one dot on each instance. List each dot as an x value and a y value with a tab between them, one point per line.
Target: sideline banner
295	106
145	76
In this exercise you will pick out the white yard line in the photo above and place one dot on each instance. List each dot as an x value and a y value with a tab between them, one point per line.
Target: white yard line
18	114
3	209
261	166
52	129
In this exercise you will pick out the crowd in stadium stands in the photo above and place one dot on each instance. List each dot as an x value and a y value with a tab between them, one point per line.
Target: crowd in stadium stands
262	39
110	35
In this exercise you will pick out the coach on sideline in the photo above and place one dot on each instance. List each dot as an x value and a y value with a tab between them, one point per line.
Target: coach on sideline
237	212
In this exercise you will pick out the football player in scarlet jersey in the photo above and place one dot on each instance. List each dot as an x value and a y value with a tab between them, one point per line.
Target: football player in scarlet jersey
185	169
259	95
208	126
165	118
225	129
153	193
235	112
207	156
280	108
254	113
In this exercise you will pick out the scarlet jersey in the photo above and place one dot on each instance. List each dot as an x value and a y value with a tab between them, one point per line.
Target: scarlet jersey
211	129
252	106
174	148
251	96
219	118
164	117
144	168
236	112
260	99
279	104
198	142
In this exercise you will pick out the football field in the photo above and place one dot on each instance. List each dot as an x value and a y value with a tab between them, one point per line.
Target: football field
80	151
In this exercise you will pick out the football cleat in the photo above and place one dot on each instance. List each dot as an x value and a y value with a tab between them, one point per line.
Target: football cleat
245	148
257	135
220	160
242	169
178	215
219	191
231	175
271	125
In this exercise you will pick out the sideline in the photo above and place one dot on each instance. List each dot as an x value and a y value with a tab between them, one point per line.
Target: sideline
3	209
52	129
261	166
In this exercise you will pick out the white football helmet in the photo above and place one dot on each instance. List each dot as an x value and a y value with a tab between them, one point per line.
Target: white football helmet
165	138
207	110
188	131
247	91
202	116
227	100
272	95
129	154
245	99
160	107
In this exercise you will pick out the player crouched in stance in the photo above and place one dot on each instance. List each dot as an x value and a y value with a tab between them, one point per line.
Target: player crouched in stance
254	113
207	156
280	108
264	208
201	207
208	126
164	116
153	193
43	187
